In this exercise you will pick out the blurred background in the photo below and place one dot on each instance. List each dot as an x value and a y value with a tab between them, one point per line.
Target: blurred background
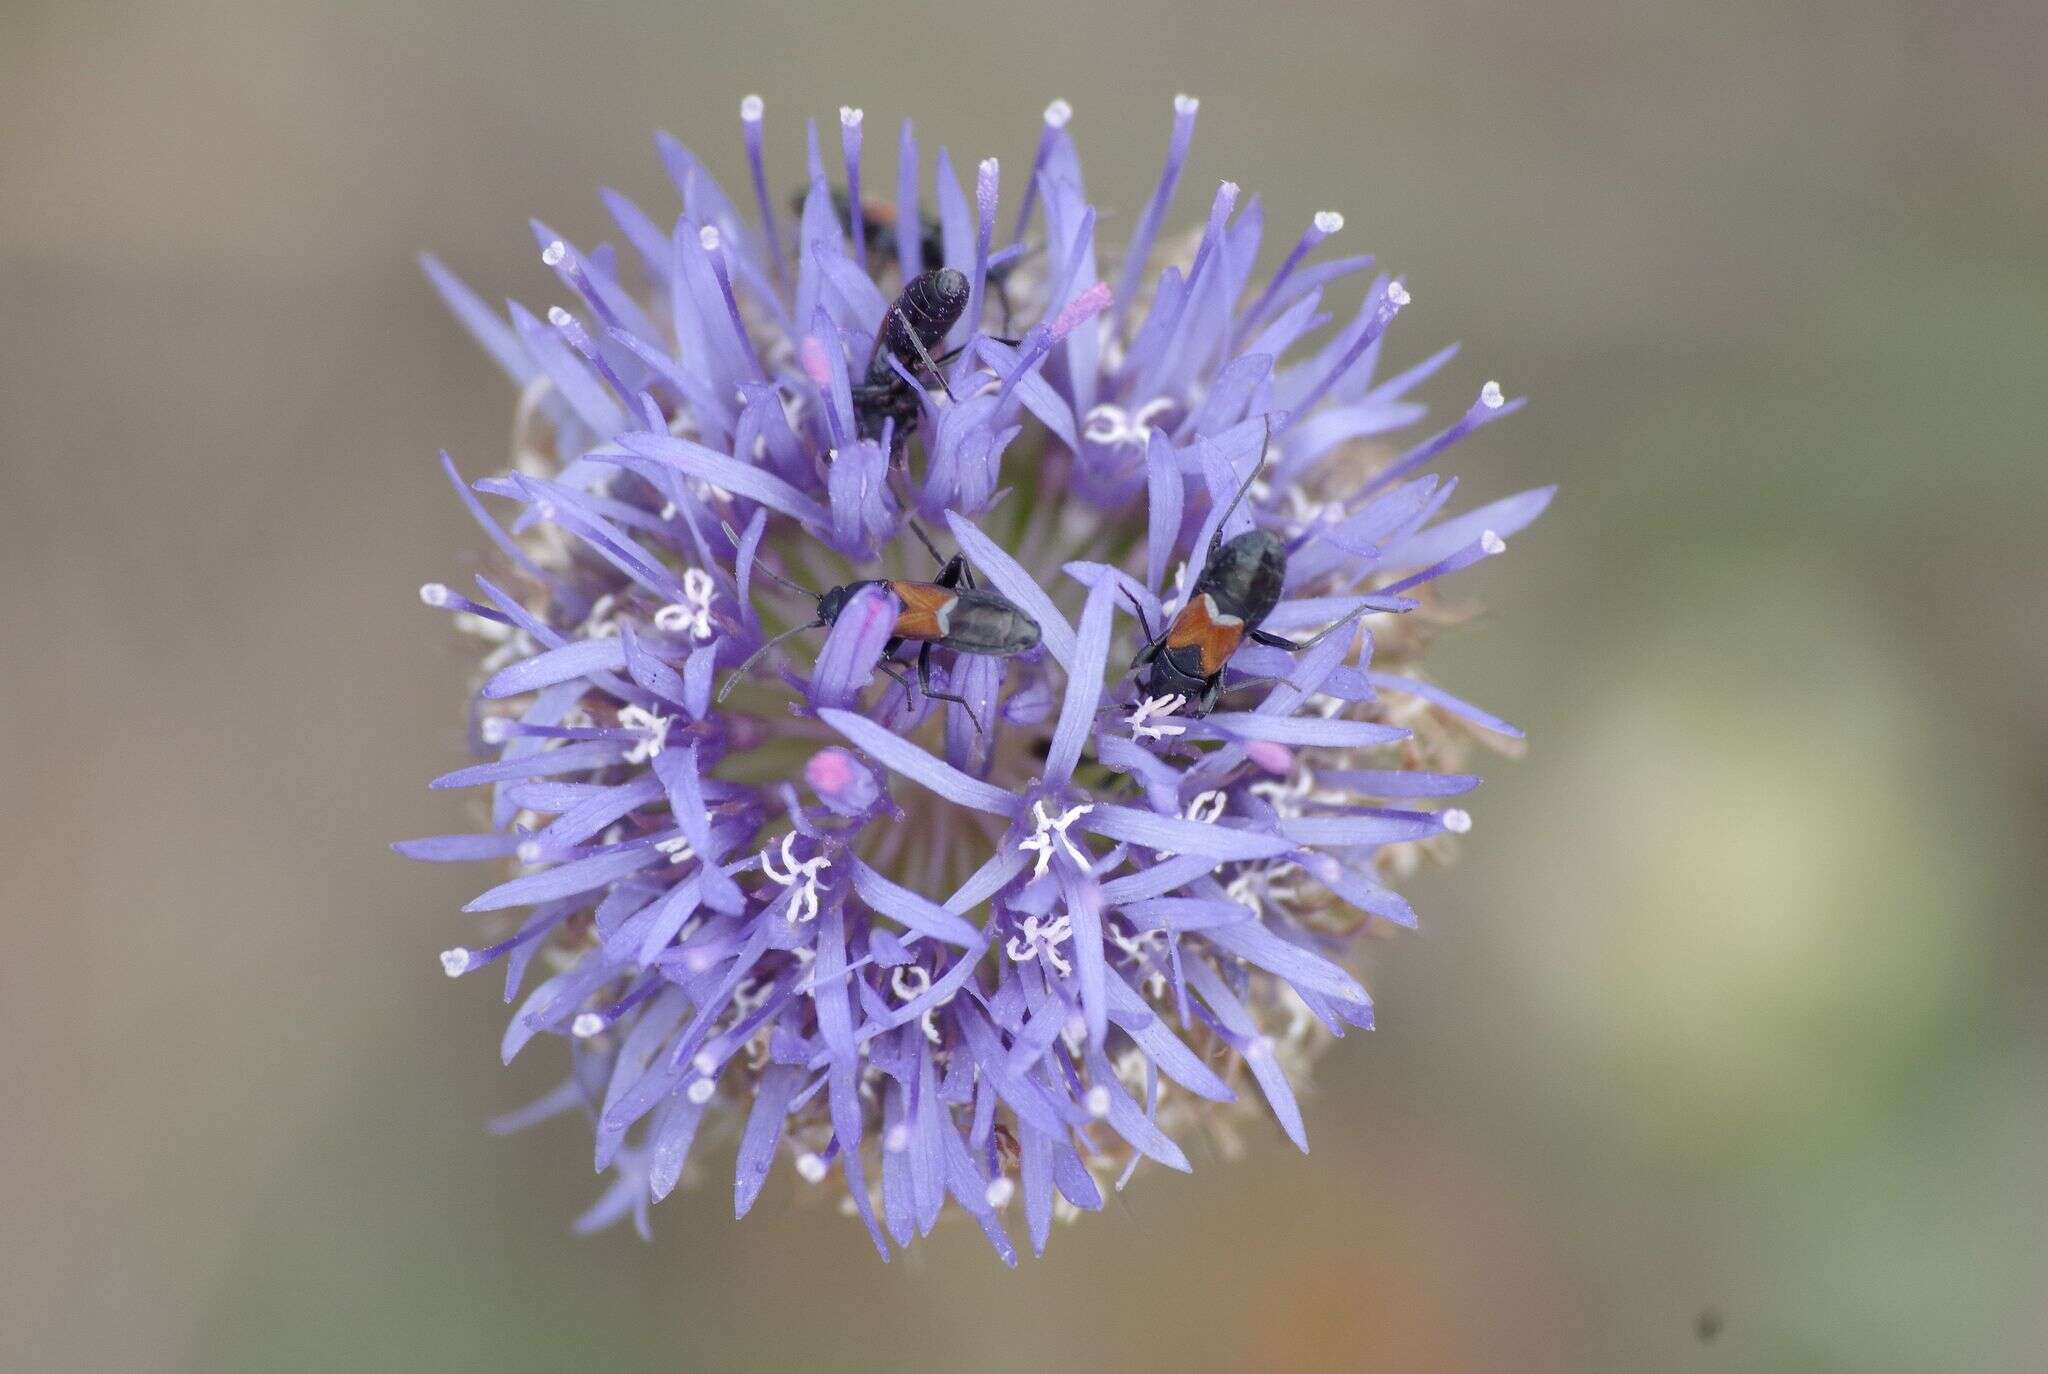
1731	1016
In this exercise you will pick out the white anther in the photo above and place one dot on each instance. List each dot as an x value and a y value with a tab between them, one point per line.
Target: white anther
1207	807
751	108
455	962
434	593
1113	425
700	1090
1037	939
1328	221
897	1140
553	254
909	981
1186	104
1492	542
704	1062
693	613
810	1167
528	852
1145	710
802	874
1000	1191
652	729
560	318
1457	821
708	237
677	847
1261	1047
1398	293
988	167
849	117
1053	829
1490	397
586	1024
1058	113
1097	1101
495	729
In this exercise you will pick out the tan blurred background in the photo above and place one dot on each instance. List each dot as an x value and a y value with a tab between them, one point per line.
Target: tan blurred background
1736	1001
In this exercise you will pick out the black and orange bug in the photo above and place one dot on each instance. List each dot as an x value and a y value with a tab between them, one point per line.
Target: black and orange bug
1240	583
948	612
931	304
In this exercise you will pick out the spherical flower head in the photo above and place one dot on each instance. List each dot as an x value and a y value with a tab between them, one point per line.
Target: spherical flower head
949	718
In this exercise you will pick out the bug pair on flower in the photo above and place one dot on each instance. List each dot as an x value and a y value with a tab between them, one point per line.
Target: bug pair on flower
1240	582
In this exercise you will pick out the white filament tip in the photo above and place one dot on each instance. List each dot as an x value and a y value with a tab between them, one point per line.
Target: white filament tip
751	109
705	1063
1097	1102
708	236
1457	821
529	851
586	1024
1398	293
810	1167
1058	113
849	117
1000	1192
1186	104
988	167
434	593
560	318
1260	1048
897	1140
1493	543
1328	221
700	1090
495	729
1490	397
455	962
553	254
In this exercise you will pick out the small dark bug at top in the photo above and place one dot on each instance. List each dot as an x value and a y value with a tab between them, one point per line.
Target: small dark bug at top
931	304
948	612
1239	585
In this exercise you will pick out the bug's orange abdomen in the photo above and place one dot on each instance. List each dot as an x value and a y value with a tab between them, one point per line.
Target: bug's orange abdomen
1213	635
927	609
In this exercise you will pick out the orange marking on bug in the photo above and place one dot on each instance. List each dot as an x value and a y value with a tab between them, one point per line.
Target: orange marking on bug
879	212
1215	636
926	609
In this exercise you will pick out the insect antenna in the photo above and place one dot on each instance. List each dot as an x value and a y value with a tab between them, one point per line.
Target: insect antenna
1250	477
764	569
733	678
925	354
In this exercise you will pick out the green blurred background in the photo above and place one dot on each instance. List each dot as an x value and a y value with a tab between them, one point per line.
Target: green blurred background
1735	1001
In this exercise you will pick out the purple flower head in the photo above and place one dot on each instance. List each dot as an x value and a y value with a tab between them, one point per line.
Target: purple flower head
841	830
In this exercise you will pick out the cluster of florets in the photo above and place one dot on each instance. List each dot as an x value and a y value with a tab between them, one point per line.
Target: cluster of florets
1004	924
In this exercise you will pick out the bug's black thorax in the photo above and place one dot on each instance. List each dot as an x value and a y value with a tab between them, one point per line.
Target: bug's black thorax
1245	576
931	304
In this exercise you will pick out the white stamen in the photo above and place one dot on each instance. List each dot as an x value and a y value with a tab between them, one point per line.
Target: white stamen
1457	821
802	874
693	614
704	1062
495	729
1145	710
677	847
1097	1101
1058	113
1207	807
1053	829
1492	542
988	167
560	318
434	593
897	1140
909	981
1329	221
1000	1191
586	1024
708	237
1113	425
1398	293
1036	940
1261	1047
553	254
810	1167
1490	397
849	117
1186	104
455	962
751	109
652	728
528	852
700	1090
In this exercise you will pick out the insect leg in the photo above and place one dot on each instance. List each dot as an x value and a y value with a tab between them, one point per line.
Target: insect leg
1273	641
924	684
